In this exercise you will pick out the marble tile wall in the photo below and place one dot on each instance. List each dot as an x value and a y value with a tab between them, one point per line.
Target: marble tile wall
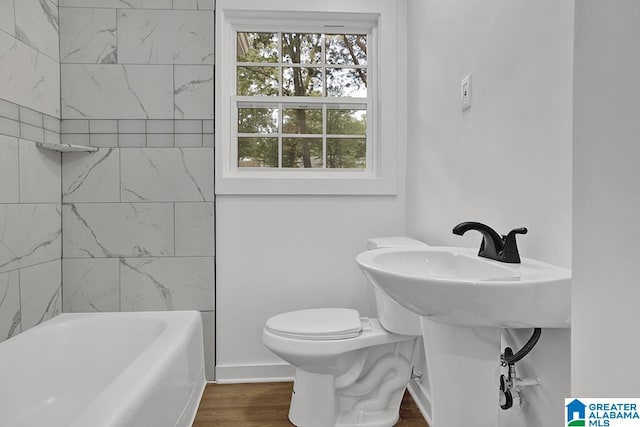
29	54
138	214
123	62
30	177
30	220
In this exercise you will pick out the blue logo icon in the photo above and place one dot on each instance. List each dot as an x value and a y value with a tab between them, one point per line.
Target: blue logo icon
576	413
602	412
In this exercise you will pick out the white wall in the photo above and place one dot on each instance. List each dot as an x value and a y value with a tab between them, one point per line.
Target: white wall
283	253
507	160
606	237
277	253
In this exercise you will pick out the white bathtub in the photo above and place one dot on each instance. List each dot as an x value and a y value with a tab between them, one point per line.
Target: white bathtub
104	369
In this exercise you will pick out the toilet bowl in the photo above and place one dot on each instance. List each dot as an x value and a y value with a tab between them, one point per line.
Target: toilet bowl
350	370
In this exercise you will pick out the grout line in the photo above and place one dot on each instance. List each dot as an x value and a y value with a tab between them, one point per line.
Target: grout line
24	267
155	64
119	170
15	22
173	95
34	203
115	12
60	72
19	169
129	257
120	8
61	279
61	229
119	284
20	298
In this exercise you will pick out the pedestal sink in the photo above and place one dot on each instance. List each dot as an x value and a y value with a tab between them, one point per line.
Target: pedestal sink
464	301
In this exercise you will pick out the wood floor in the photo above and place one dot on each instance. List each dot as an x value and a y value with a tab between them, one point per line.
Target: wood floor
267	405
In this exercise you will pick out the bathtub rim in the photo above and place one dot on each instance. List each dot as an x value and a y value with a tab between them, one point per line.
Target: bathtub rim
180	344
176	335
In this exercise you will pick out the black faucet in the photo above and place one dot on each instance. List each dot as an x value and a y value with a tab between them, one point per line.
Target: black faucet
494	246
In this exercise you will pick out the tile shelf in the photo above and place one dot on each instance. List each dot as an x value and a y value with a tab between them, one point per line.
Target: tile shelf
65	148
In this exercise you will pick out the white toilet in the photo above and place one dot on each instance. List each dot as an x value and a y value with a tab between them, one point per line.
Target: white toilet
350	370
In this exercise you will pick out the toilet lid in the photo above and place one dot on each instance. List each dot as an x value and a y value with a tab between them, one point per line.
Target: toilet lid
317	324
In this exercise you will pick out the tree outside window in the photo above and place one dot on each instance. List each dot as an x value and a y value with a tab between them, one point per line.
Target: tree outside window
302	100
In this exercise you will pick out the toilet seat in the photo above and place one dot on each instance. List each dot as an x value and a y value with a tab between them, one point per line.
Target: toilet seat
316	324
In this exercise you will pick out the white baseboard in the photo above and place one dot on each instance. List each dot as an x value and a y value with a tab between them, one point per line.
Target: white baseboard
421	396
272	372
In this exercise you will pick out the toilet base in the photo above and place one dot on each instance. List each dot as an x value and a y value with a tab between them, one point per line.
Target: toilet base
313	404
313	400
371	398
386	418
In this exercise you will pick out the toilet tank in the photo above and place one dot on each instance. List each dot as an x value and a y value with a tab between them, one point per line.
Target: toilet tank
392	316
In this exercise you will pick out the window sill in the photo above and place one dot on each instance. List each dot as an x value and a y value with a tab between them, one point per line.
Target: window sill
277	184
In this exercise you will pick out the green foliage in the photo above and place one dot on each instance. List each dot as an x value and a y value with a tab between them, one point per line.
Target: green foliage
346	152
297	151
258	120
303	78
258	152
346	122
302	121
258	47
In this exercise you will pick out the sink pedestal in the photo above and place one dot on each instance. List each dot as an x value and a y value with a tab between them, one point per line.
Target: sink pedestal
463	365
464	300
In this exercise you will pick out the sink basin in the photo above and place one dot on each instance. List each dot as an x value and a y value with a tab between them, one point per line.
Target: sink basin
455	286
463	301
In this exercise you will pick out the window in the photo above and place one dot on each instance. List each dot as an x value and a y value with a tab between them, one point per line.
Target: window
301	100
300	103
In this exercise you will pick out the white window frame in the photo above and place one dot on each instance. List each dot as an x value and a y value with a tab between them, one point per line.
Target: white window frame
386	128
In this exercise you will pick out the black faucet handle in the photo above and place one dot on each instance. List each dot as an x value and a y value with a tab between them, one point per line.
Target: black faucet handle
510	250
494	246
521	230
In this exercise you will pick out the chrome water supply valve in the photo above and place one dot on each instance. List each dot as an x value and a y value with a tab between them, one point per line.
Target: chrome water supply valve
416	375
510	386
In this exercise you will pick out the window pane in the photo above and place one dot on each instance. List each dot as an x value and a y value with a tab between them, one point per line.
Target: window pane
289	134
301	152
257	47
298	81
257	81
301	48
346	122
257	120
346	49
346	153
301	120
347	82
258	152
